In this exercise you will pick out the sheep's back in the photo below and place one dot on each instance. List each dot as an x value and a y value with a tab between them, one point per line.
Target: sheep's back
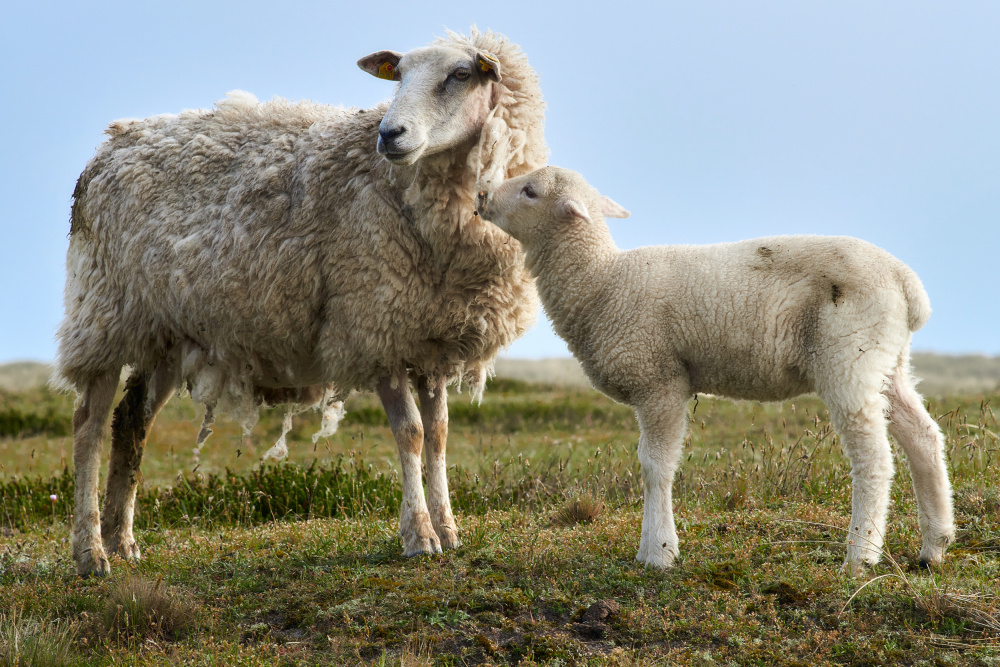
274	235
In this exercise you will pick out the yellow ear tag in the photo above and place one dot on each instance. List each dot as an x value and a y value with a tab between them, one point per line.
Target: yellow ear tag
386	71
487	66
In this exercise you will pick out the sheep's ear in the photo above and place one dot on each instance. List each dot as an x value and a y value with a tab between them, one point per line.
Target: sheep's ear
612	209
573	208
383	64
488	65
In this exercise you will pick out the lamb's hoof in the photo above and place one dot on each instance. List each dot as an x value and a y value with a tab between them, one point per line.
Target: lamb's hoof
93	564
933	554
659	557
857	568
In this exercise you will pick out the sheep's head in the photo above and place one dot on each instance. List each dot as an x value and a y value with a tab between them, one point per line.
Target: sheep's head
531	207
444	96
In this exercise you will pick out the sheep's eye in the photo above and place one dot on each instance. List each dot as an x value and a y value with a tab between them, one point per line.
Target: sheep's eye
528	191
462	73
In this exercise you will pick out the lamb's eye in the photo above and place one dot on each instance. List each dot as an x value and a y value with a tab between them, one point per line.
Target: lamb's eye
528	191
462	73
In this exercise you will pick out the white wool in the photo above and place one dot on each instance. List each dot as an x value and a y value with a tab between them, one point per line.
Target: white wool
764	319
280	449
332	411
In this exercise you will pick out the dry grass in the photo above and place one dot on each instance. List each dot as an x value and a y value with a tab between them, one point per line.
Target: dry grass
137	609
26	642
583	509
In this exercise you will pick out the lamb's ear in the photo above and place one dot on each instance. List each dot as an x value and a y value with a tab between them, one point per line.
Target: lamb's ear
383	64
612	209
488	65
569	209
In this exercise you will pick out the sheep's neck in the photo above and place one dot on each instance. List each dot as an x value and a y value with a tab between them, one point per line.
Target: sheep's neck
572	278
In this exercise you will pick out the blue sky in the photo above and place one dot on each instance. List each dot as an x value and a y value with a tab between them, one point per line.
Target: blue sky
710	121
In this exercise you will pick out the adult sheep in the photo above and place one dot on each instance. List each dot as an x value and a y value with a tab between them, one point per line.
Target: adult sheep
291	252
766	319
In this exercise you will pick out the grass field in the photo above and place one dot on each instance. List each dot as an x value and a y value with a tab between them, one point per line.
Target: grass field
299	563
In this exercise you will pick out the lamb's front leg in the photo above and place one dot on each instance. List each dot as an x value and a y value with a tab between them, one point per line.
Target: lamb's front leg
434	413
415	525
662	424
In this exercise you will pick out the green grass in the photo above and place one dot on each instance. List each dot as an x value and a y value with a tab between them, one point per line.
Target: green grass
299	563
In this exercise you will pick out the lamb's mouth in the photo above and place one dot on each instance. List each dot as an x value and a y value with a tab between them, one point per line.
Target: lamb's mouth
481	200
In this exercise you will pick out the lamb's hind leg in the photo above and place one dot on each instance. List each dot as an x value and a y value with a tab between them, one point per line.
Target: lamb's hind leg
89	425
662	423
434	414
415	525
863	435
919	436
145	395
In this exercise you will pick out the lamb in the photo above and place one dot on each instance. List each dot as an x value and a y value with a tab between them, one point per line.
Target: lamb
289	253
765	319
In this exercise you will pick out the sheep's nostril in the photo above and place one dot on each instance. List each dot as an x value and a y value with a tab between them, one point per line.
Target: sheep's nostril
391	133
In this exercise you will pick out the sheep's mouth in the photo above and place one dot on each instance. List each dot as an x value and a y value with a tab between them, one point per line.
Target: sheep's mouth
401	158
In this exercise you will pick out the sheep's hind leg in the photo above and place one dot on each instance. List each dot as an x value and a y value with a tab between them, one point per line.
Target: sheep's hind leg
863	434
415	525
434	414
133	417
89	425
921	438
662	424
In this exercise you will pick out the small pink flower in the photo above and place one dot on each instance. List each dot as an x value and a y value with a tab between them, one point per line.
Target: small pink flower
53	497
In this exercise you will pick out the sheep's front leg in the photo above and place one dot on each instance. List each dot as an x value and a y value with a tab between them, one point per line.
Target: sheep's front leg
434	413
415	525
129	428
89	425
662	424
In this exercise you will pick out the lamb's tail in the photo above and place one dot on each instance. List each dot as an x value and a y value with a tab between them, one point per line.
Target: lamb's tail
917	301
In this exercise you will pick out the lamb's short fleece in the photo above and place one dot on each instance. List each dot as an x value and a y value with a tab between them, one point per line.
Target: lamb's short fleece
765	319
290	252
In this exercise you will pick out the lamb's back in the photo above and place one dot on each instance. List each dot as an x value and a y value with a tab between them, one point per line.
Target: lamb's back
747	319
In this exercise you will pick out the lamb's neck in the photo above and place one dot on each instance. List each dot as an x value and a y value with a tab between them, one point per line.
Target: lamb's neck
572	278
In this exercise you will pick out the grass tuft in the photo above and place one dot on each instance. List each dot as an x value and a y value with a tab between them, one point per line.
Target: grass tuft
138	609
581	510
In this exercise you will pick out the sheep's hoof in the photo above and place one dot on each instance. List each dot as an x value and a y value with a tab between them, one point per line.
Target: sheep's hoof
126	548
422	540
129	552
423	546
448	535
90	565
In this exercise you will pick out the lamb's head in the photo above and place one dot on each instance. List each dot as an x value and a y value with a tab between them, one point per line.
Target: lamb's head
536	207
445	93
